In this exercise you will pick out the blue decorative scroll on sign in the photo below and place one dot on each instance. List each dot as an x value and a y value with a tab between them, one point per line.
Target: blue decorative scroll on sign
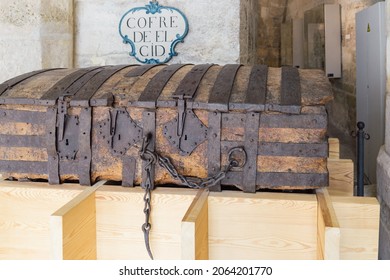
153	32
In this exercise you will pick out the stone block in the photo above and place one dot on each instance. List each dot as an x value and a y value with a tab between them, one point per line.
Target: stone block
384	233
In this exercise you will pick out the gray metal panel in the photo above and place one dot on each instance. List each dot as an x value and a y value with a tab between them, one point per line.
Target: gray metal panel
371	80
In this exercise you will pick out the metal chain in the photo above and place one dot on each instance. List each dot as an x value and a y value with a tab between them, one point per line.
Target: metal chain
150	158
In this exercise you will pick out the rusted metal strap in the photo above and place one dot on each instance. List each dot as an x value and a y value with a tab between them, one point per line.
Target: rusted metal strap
280	179
156	85
32	117
311	121
85	149
51	143
257	87
23	167
188	86
86	92
293	149
149	130
290	87
251	145
129	167
269	179
220	94
14	81
22	141
139	70
64	86
214	147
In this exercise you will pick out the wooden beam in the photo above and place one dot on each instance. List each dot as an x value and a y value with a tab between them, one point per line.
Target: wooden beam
73	227
359	225
194	229
328	229
341	177
262	226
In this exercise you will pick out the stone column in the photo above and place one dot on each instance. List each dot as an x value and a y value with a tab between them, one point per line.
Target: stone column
383	165
35	34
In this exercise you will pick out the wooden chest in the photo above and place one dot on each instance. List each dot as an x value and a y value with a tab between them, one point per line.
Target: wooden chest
212	126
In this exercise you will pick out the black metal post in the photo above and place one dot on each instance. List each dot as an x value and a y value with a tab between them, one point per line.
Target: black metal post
360	159
360	137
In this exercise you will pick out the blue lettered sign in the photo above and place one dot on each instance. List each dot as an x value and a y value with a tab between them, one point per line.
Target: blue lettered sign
153	32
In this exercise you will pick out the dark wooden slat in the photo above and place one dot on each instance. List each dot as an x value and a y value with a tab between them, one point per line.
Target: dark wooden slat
156	85
140	70
251	146
83	96
16	80
214	147
23	141
190	83
222	89
22	116
257	86
25	167
290	87
293	149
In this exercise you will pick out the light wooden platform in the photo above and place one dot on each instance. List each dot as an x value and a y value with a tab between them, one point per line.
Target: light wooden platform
38	221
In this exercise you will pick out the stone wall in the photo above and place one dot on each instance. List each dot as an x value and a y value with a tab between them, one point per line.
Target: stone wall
35	34
383	166
213	35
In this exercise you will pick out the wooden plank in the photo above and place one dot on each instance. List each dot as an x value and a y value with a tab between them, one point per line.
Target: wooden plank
73	227
359	225
341	177
25	210
119	217
334	148
194	229
328	229
262	226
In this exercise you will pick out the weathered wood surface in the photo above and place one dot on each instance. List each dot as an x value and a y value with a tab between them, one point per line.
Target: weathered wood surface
291	137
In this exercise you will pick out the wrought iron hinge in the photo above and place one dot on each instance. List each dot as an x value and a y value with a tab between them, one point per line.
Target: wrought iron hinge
67	131
186	131
120	131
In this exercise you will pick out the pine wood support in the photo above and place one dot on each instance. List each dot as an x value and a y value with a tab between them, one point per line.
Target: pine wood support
195	230
359	226
262	226
334	148
328	228
341	177
25	209
119	214
73	227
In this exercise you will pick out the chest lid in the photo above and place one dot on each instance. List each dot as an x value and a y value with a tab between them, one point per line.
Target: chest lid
231	87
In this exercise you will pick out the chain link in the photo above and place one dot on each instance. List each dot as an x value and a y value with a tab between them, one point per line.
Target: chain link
151	158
